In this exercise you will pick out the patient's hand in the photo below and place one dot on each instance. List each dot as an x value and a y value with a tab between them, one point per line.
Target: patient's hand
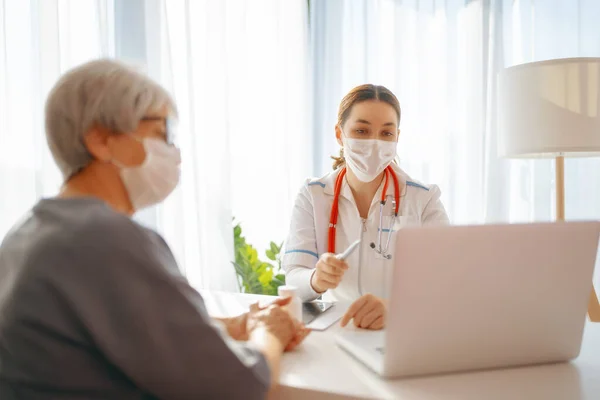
237	326
276	320
368	312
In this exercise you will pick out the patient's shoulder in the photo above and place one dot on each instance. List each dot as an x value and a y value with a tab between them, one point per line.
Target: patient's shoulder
79	233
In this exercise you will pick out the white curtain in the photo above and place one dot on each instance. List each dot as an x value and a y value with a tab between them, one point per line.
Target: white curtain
39	40
238	70
254	122
441	58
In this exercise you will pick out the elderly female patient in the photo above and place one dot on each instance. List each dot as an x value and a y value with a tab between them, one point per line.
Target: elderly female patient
92	305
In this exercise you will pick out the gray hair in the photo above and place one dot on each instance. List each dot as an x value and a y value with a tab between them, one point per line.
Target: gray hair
104	92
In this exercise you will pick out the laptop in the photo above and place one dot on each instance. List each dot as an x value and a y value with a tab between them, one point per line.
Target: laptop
467	298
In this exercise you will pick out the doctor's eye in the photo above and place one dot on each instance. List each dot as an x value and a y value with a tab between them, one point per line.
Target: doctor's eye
360	131
388	133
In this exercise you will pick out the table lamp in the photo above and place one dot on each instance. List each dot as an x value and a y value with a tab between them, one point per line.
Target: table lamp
552	109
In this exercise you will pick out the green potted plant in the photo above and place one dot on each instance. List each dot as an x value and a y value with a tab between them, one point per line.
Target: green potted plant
253	274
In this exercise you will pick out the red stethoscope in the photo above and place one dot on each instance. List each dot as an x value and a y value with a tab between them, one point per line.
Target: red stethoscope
335	209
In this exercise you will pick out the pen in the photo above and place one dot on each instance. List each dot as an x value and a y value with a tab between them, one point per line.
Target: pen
348	251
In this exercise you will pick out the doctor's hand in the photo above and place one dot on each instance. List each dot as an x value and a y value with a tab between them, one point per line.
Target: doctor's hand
328	273
368	312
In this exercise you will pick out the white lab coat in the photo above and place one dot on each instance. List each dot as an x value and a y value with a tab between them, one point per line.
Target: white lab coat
368	272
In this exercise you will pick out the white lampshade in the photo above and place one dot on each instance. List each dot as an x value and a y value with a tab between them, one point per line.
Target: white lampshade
550	108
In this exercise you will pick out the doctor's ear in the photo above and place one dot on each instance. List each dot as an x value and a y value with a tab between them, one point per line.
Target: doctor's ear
398	135
338	134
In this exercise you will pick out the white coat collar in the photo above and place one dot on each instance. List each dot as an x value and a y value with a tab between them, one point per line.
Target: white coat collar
330	178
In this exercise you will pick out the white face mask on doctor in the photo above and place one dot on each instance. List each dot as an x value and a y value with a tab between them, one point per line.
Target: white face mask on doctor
367	158
152	181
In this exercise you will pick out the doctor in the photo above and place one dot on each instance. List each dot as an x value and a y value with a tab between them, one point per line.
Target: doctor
367	196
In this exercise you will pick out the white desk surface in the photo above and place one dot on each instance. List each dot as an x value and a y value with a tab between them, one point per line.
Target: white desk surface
319	369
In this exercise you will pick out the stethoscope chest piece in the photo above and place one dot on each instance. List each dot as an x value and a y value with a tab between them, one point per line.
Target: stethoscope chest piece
379	248
384	251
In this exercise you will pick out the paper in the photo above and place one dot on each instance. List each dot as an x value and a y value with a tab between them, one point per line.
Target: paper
313	309
329	317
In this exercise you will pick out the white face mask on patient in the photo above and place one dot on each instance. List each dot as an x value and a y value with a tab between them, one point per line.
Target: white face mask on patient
367	158
152	181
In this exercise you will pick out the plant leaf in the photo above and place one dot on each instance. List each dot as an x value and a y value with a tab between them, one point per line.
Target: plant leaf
266	277
253	274
279	278
252	254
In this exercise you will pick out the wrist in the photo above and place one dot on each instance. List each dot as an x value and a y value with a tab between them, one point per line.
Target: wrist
238	326
262	338
313	285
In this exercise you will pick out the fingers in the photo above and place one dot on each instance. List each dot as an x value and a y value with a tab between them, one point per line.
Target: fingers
321	281
280	301
332	269
369	306
299	338
353	309
279	313
329	273
288	331
328	281
368	312
369	318
254	307
379	323
332	265
285	316
276	320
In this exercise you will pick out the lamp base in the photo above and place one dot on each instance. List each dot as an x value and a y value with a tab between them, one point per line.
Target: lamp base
594	307
593	304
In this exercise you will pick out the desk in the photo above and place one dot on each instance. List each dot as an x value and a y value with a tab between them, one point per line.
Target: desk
319	369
